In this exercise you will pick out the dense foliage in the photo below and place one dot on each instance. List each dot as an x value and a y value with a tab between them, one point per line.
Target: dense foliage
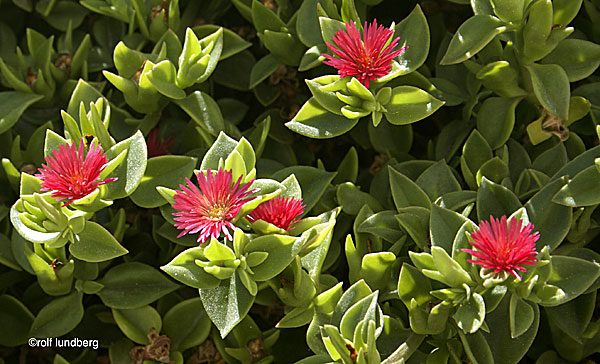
312	181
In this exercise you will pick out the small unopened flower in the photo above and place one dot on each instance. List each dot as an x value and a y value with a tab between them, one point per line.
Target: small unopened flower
71	174
279	211
503	247
366	58
157	147
210	208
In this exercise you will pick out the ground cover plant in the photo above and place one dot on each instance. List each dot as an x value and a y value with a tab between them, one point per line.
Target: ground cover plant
299	181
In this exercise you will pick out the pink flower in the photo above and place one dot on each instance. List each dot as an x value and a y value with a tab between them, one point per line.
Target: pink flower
156	148
368	58
504	247
279	211
208	210
71	174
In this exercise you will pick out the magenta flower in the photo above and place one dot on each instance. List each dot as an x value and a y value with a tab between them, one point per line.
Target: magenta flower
71	174
368	58
208	210
279	211
155	147
504	247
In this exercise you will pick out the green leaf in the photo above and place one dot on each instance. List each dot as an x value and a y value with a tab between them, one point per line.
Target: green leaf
495	200
461	241
476	348
551	160
476	151
578	164
415	221
136	323
550	219
312	180
184	269
438	180
412	284
508	10
131	170
550	357
312	57
297	317
352	199
348	12
583	190
324	92
162	76
132	285
520	316
572	275
166	171
347	170
64	14
329	27
496	119
319	241
263	69
470	314
12	105
96	244
7	257
353	295
409	104
471	37
27	233
382	224
234	72
504	348
204	111
502	78
16	319
579	58
58	317
314	121
414	33
264	18
564	11
454	275
284	46
456	200
574	316
443	226
551	87
281	250
494	169
307	25
232	42
392	140
187	324
405	192
198	58
227	304
364	310
126	60
220	149
376	269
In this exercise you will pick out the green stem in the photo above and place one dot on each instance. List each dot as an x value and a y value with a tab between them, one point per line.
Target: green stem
405	350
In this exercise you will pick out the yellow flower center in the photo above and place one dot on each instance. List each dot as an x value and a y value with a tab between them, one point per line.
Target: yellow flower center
217	212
